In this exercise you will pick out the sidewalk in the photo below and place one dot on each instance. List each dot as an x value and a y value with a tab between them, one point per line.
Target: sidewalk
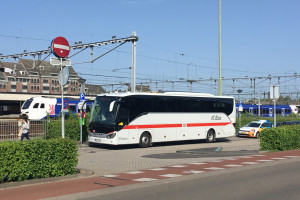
47	188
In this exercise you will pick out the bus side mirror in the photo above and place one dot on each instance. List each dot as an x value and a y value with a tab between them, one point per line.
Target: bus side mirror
111	106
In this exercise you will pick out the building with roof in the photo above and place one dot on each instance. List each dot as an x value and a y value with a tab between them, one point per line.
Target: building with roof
27	78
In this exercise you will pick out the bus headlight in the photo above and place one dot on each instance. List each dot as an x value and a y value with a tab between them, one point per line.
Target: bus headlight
112	135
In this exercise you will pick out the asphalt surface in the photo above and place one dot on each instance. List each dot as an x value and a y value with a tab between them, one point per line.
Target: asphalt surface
275	182
105	159
107	168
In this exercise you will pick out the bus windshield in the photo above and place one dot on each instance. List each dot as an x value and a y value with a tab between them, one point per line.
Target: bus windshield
27	104
103	116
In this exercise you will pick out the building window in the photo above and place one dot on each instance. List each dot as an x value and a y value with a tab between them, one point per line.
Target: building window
46	88
45	81
33	73
13	86
54	82
2	86
24	87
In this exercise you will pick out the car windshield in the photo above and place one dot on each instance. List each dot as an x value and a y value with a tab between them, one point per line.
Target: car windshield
101	113
253	124
27	104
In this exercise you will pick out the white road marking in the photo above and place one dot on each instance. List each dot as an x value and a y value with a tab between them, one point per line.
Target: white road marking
110	176
233	165
214	168
134	172
193	172
249	163
265	160
278	158
145	179
157	169
178	166
171	175
197	163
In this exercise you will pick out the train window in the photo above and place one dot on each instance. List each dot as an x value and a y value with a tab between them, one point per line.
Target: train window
42	105
36	105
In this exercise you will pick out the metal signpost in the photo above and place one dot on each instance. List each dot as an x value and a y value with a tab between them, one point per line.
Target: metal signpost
274	94
60	48
81	104
240	109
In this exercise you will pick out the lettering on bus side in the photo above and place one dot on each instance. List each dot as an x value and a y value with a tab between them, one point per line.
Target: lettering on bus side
216	117
120	138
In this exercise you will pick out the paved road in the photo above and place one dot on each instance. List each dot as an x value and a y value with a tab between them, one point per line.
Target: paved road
84	187
110	159
266	181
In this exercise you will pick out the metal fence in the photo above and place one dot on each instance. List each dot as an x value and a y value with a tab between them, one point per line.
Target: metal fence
9	129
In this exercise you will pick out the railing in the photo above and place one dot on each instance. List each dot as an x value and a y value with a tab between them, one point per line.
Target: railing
9	129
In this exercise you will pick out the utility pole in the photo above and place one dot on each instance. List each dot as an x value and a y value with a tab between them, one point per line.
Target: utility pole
133	62
220	75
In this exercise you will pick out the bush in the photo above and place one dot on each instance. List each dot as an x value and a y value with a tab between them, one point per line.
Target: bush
72	128
281	138
37	159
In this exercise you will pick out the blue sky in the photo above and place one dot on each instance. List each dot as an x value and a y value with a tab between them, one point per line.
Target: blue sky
177	39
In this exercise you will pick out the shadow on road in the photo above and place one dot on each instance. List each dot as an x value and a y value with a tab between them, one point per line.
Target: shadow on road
159	144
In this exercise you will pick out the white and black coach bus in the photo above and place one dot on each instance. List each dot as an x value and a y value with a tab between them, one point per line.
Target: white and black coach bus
146	118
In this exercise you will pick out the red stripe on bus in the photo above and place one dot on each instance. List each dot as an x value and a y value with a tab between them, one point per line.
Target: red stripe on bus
208	124
174	125
152	126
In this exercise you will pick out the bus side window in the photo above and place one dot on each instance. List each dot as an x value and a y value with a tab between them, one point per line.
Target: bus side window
36	105
42	105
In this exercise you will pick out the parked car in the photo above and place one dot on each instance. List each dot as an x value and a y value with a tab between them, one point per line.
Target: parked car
254	128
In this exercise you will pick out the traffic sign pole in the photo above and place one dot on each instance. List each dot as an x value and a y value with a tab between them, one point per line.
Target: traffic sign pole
60	48
62	106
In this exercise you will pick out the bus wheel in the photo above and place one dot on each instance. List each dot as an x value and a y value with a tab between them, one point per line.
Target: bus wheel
210	136
145	140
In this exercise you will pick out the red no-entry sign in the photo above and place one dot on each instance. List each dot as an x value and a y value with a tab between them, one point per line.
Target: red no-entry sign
60	47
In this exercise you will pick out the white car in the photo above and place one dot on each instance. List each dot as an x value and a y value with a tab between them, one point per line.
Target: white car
254	128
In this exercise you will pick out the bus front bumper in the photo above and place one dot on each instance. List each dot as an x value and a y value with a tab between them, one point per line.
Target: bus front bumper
101	140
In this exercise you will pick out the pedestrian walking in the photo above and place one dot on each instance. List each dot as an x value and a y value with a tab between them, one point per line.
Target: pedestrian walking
24	130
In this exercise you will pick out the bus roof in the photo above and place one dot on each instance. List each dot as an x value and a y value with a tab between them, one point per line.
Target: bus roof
181	94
